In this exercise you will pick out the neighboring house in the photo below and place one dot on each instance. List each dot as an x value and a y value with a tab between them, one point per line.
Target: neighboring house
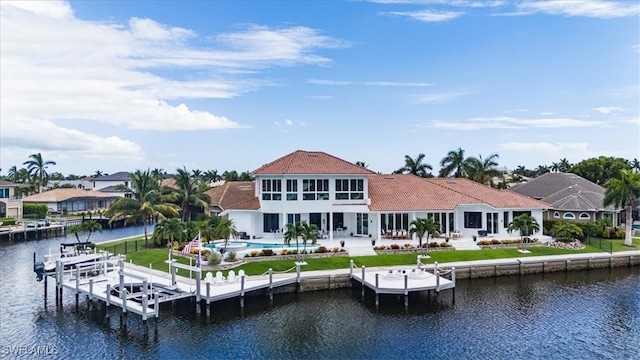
228	194
339	196
118	184
10	206
84	183
72	200
570	197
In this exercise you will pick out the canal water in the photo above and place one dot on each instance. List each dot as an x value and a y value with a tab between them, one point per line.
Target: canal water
570	315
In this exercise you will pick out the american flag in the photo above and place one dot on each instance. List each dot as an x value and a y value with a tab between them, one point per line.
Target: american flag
193	243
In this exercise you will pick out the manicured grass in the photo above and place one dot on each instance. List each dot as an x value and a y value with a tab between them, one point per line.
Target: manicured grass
157	258
125	246
614	245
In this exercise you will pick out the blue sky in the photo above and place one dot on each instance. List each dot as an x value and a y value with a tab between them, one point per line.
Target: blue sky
232	85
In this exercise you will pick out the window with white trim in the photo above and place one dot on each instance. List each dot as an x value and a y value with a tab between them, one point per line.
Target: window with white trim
568	215
315	189
556	214
292	189
271	189
584	216
349	189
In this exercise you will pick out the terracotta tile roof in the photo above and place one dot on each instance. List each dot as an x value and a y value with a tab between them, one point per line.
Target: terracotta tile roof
251	204
231	193
58	195
400	192
7	183
310	162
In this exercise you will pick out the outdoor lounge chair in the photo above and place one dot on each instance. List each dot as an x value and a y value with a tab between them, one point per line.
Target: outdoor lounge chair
219	279
232	276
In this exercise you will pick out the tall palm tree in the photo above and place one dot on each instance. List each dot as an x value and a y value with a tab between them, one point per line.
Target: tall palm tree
525	224
309	233
455	163
421	226
564	165
210	176
146	203
37	168
483	170
293	232
541	170
98	173
190	193
158	174
226	229
12	174
415	166
621	193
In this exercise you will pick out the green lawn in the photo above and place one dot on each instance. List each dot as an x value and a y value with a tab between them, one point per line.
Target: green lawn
614	245
125	246
157	258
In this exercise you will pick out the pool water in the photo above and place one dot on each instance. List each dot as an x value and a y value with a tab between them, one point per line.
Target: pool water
254	245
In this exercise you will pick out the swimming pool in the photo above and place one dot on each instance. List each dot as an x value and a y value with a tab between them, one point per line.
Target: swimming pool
248	245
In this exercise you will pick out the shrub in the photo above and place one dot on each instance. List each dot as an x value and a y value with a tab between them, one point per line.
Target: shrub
336	249
394	246
495	241
292	252
322	249
214	258
444	244
8	221
231	256
254	253
433	244
407	245
39	210
484	242
283	252
505	241
382	247
606	233
620	234
267	252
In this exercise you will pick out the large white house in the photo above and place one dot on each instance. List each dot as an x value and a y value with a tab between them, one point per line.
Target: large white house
344	199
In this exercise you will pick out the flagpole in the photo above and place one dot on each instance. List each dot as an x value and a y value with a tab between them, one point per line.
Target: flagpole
199	250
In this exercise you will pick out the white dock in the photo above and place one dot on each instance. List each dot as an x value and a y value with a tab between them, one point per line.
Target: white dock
404	281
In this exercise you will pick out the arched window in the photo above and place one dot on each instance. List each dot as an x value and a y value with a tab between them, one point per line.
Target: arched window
568	215
584	216
556	215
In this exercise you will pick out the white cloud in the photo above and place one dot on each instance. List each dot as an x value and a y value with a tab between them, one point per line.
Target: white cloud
547	113
503	122
320	97
288	122
543	150
426	15
588	8
439	97
329	82
609	109
636	48
58	69
399	84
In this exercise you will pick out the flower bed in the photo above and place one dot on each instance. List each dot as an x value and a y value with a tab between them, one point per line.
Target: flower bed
507	243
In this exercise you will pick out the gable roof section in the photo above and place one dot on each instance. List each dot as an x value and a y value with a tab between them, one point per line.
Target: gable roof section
400	192
311	162
58	195
119	176
233	193
565	191
7	183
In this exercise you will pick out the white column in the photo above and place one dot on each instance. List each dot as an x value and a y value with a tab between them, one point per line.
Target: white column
413	217
330	221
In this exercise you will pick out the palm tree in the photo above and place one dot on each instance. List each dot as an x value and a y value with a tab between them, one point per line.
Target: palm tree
566	230
293	232
211	176
309	233
564	165
97	174
37	168
525	224
197	173
158	174
168	231
541	169
361	163
483	170
146	203
87	226
12	174
190	193
455	163
421	226
415	166
226	229
621	193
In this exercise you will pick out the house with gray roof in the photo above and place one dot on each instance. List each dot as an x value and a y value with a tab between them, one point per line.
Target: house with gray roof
116	184
571	197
